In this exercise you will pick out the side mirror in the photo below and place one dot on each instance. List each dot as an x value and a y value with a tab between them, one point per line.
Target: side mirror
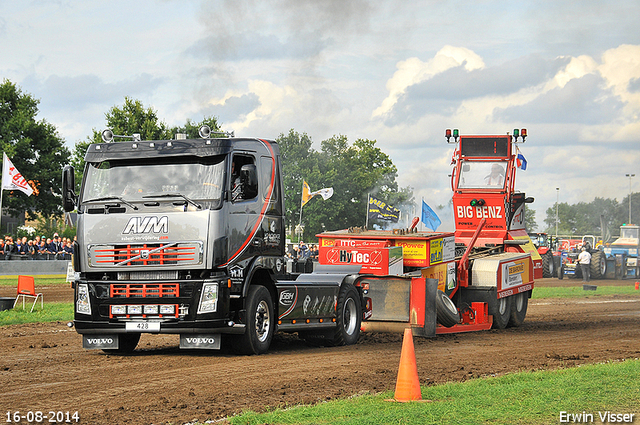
68	185
249	177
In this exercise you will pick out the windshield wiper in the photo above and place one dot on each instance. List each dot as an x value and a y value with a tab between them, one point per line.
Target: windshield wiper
112	198
175	195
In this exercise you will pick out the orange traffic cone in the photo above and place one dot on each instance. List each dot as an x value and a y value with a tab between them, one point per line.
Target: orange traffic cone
637	285
407	384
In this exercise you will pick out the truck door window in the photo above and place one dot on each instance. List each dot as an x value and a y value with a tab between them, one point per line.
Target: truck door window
266	173
239	179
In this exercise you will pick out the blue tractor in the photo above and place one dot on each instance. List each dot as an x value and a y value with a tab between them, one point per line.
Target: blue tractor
623	252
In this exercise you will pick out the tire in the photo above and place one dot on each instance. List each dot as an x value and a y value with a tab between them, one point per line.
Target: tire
260	325
557	262
561	272
446	311
598	265
548	266
127	343
502	314
348	316
519	305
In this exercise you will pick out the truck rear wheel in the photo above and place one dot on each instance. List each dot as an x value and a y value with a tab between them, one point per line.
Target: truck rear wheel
348	316
126	344
598	265
502	314
260	323
548	266
446	311
519	305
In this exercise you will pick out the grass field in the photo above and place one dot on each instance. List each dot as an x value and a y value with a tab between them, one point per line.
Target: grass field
542	397
577	291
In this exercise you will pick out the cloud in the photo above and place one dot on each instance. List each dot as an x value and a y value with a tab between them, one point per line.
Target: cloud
234	108
413	71
75	93
443	92
583	100
251	45
285	29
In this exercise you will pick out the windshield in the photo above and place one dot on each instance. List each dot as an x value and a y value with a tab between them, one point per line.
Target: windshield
629	233
482	175
198	179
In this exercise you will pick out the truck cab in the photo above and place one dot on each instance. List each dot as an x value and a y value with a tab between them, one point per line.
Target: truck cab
172	234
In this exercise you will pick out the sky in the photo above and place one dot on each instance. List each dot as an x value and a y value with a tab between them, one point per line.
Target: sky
397	72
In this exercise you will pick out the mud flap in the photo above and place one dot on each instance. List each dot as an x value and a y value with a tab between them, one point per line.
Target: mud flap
200	341
100	342
430	313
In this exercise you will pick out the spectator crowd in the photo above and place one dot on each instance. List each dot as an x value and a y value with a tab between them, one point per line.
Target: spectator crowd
39	248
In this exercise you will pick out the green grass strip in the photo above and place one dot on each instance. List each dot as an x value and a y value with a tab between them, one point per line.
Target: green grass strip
52	312
540	292
39	281
520	398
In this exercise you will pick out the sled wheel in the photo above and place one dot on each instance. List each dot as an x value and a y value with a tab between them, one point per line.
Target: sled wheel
446	310
519	305
348	316
502	314
260	323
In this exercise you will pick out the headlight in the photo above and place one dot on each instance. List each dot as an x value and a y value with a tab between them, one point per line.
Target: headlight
118	309
208	298
134	309
83	305
167	309
151	309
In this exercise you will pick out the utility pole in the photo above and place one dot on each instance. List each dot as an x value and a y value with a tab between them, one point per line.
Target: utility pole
630	175
557	200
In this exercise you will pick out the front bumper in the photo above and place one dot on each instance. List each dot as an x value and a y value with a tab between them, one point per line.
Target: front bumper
182	327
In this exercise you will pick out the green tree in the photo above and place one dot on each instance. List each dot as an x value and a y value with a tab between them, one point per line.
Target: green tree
530	219
37	151
600	217
133	118
352	170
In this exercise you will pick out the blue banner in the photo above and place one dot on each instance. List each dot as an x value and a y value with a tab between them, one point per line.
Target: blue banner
429	217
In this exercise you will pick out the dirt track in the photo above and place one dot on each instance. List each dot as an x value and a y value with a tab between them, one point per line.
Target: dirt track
43	366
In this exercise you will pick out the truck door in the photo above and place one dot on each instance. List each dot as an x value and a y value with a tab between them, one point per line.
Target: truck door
244	203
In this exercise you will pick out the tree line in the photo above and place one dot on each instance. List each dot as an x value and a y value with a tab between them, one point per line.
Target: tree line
353	170
600	217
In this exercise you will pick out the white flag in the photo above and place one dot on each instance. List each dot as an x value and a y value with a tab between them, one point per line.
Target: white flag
326	193
12	179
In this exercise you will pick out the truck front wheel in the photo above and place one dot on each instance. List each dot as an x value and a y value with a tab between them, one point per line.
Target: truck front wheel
126	344
260	323
348	316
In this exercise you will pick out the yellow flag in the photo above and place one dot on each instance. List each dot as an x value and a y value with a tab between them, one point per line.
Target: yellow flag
306	193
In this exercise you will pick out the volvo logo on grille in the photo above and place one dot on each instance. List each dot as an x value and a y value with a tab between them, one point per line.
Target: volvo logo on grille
150	224
144	254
